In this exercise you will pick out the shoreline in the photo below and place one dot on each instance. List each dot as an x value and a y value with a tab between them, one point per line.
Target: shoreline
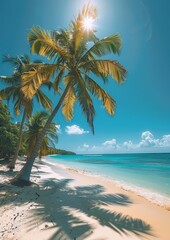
69	204
150	195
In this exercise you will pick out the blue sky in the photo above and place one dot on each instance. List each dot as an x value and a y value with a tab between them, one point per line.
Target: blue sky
141	121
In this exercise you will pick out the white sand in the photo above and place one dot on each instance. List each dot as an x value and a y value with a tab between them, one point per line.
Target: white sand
70	205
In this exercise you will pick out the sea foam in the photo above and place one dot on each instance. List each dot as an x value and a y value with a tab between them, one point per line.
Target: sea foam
153	197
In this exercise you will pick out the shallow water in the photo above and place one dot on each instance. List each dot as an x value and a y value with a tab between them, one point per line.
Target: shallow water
146	174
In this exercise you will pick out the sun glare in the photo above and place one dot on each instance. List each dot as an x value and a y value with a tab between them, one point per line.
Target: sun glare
88	23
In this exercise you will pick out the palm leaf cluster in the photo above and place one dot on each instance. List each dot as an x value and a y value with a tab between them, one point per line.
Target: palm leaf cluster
33	129
76	69
14	92
15	84
76	64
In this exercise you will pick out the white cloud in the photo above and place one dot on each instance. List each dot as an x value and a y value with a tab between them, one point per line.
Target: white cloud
147	135
96	148
85	146
148	140
106	147
165	141
129	145
147	143
110	143
58	128
75	129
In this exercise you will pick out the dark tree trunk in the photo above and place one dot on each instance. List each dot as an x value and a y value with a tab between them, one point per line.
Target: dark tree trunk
11	165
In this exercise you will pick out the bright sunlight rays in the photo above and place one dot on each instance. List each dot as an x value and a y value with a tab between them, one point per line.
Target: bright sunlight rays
88	23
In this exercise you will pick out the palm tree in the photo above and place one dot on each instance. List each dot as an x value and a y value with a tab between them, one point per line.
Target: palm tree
13	92
77	65
34	127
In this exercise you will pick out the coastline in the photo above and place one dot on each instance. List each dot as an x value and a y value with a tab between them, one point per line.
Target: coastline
151	195
71	204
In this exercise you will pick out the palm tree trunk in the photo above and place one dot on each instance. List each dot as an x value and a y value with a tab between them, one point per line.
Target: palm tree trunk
23	177
11	165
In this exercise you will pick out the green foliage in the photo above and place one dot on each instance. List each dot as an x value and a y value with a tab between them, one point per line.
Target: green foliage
22	64
8	132
15	82
34	127
52	151
4	114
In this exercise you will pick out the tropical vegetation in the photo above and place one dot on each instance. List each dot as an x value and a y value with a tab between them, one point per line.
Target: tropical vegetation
33	129
9	133
53	151
79	72
13	91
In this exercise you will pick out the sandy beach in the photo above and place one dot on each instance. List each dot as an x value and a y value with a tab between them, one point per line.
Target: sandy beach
67	204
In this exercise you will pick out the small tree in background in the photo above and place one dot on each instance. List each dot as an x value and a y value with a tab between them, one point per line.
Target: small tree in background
34	127
9	133
22	105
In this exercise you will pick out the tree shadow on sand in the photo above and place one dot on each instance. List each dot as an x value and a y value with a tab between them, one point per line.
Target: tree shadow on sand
67	210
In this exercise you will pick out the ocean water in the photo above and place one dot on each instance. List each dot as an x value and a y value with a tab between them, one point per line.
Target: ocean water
146	174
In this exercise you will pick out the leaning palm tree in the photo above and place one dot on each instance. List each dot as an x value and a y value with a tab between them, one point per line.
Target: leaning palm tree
13	92
34	127
77	65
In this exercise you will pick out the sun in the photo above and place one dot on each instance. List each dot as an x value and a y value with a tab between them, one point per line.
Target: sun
88	23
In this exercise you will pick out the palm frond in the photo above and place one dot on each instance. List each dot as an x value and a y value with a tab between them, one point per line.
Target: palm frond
43	100
85	100
34	127
62	37
25	59
13	61
7	93
58	78
87	11
43	43
79	36
52	134
107	68
49	85
96	90
11	80
108	45
17	93
28	105
7	79
18	106
35	77
68	104
38	117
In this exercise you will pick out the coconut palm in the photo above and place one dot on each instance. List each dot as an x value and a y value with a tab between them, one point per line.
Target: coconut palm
77	65
34	127
13	92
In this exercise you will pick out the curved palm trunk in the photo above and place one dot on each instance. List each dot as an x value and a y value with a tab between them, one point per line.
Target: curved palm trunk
23	176
12	163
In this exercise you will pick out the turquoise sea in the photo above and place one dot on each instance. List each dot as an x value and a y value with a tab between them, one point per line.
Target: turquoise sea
146	174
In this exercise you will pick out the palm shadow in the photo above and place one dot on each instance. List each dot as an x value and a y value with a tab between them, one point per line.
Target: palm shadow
67	210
